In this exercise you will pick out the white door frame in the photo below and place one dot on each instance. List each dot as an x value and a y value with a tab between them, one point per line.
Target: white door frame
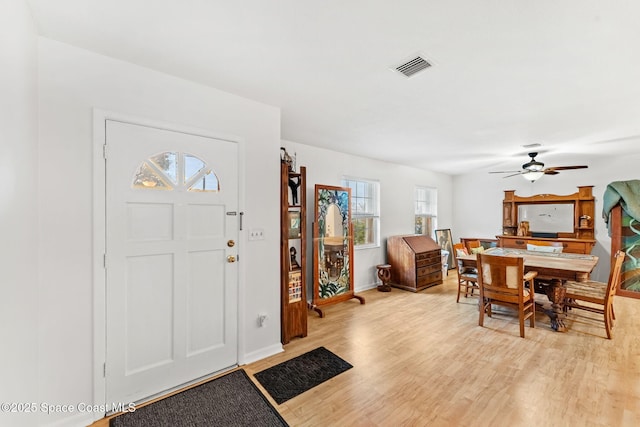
99	230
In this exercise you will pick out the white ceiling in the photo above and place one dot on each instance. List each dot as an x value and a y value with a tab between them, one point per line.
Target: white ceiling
565	74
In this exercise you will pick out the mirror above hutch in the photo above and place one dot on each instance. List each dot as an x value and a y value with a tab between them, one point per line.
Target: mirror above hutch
549	219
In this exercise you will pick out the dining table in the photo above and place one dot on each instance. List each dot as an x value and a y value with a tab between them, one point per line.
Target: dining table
554	268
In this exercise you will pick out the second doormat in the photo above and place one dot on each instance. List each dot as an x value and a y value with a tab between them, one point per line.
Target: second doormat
295	376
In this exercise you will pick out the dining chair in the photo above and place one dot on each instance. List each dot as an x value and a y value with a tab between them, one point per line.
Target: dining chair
467	275
543	283
598	295
502	282
472	244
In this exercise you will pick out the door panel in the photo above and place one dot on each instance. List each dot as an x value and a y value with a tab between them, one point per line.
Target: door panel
149	221
149	289
205	302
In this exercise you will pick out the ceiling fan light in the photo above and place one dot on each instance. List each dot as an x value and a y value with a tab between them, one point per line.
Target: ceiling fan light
533	166
532	175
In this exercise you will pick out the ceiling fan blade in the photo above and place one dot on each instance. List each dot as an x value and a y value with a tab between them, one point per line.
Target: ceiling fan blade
564	168
550	172
506	172
509	176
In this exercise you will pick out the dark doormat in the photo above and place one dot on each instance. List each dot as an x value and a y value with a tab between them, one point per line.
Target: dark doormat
295	376
230	400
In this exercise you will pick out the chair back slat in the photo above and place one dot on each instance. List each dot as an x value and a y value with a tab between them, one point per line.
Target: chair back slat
501	271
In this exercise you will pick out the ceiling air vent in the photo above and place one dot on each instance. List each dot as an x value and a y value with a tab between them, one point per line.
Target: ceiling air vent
410	68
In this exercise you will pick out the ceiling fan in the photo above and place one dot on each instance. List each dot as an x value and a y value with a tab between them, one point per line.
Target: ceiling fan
533	169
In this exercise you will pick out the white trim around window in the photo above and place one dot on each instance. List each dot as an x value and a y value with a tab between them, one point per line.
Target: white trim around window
425	210
365	211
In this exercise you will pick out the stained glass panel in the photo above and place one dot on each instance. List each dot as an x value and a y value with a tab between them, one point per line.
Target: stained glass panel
631	246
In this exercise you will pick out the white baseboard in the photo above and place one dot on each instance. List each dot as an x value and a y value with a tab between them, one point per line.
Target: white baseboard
261	354
367	287
79	419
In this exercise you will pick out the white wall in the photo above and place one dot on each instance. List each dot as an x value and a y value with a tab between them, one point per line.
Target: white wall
71	83
18	214
397	184
478	199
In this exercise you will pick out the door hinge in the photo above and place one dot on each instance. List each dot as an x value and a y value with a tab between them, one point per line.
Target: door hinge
104	261
241	215
104	151
104	370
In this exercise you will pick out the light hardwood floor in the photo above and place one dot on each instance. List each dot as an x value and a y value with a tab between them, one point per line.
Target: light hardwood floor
420	359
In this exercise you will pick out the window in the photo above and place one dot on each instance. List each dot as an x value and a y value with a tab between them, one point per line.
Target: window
160	172
426	209
365	211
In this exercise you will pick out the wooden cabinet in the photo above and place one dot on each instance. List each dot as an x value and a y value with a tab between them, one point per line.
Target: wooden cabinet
293	259
580	239
415	262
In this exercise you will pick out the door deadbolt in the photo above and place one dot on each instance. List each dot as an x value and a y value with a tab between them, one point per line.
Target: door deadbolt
231	243
231	258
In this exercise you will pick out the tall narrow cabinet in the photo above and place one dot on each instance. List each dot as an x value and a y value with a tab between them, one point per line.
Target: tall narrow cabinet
293	253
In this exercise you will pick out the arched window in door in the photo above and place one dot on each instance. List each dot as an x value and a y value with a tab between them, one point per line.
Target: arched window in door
175	171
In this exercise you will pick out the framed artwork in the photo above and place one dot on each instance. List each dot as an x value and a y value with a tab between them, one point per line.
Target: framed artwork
333	247
443	238
294	224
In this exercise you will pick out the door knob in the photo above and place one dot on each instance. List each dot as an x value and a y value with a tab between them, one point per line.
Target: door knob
231	258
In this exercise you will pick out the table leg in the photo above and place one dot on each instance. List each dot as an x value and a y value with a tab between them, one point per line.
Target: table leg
556	293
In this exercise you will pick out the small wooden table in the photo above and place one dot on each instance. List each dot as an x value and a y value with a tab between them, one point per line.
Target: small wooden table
558	267
384	274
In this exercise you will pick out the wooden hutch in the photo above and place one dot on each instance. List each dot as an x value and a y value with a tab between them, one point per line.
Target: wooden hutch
581	240
415	262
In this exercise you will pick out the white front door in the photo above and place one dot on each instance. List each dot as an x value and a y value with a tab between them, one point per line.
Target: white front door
171	279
